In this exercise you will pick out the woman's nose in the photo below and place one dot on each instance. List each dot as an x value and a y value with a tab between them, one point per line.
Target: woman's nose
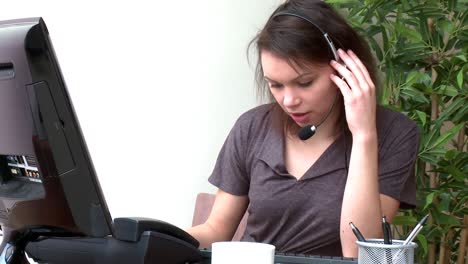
290	98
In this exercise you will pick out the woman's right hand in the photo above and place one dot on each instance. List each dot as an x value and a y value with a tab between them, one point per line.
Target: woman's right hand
223	220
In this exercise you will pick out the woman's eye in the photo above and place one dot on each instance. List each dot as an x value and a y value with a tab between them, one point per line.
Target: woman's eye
305	84
275	85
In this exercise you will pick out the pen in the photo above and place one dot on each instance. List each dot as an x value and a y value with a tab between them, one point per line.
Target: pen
416	230
356	232
387	232
412	235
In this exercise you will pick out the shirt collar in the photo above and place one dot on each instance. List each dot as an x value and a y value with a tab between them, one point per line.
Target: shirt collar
332	159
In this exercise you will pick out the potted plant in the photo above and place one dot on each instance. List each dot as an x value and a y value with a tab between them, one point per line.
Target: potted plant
421	47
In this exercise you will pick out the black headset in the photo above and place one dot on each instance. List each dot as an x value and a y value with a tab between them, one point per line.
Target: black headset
325	34
309	130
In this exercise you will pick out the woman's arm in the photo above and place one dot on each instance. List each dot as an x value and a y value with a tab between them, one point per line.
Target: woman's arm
224	218
362	202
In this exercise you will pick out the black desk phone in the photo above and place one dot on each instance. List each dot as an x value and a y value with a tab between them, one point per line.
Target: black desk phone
135	240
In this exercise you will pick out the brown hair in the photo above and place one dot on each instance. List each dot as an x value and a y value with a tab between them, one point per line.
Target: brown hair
302	44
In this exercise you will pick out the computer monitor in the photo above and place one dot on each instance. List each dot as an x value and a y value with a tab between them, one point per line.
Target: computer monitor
51	203
46	173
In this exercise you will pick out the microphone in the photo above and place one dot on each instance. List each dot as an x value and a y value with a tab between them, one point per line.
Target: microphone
308	131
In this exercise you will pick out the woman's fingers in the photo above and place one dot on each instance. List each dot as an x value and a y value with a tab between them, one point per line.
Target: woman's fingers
363	68
358	92
347	74
353	74
343	86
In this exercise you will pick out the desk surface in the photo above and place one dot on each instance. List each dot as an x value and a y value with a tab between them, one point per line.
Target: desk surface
293	259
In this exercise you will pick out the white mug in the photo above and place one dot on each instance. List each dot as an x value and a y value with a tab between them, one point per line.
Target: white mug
236	252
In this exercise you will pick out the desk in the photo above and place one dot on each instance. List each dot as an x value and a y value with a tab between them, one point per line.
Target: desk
293	259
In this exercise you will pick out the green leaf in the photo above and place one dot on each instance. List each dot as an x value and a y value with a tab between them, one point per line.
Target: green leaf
430	137
437	152
375	46
404	220
447	90
423	87
409	93
385	40
447	220
340	1
451	4
460	204
461	160
444	138
444	204
452	108
446	26
410	33
461	115
410	54
461	57
422	116
455	172
460	78
422	242
428	157
450	154
413	77
429	200
431	159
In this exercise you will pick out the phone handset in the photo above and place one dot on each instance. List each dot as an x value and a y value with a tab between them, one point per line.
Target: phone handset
131	228
163	242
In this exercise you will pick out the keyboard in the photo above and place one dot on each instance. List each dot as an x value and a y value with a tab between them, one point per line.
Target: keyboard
281	258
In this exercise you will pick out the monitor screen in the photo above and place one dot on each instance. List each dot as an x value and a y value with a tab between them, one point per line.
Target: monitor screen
46	174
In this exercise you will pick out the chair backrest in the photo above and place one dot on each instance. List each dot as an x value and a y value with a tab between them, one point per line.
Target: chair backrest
203	206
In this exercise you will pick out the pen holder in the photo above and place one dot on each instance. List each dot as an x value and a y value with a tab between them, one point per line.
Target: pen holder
374	251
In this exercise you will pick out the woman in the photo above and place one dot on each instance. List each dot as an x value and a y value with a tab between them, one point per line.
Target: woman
301	195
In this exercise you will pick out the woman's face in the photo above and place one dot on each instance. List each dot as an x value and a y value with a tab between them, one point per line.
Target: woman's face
306	95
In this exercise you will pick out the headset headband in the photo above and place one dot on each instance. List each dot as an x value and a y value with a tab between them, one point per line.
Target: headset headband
325	34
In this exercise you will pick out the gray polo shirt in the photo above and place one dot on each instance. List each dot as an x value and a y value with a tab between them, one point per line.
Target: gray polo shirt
303	216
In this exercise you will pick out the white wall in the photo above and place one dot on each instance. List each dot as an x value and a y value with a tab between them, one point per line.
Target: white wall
156	86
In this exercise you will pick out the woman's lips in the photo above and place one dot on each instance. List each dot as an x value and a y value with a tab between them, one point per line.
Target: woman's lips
299	117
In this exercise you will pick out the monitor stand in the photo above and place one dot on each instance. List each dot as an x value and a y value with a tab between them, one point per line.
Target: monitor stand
15	242
135	241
